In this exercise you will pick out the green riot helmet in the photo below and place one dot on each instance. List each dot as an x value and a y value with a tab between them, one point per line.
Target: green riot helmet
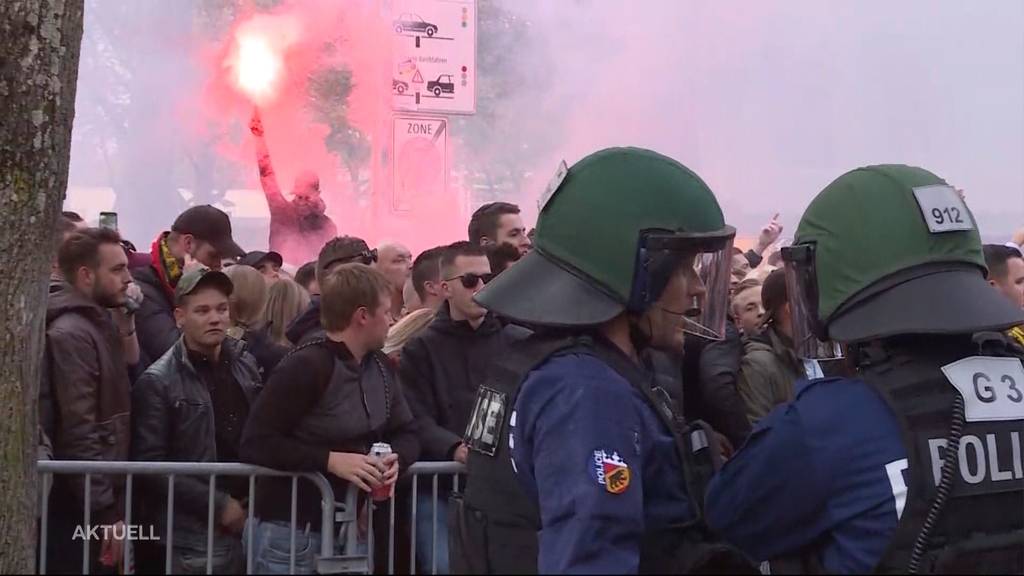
612	230
888	250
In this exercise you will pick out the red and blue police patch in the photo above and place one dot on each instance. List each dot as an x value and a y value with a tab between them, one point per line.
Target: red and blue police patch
610	471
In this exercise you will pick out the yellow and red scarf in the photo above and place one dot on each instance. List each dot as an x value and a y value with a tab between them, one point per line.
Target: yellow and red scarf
166	265
1017	334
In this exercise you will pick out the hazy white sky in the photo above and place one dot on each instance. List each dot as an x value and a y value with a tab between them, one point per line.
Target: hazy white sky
770	101
767	100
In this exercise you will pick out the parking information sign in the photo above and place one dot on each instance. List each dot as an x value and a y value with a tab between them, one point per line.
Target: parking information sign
435	56
421	160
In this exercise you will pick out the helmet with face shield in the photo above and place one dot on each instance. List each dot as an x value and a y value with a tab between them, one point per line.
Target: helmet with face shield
889	250
613	231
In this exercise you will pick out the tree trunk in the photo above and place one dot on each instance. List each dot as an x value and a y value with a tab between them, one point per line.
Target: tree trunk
38	74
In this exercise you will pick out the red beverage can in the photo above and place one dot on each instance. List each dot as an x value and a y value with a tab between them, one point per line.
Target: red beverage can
380	450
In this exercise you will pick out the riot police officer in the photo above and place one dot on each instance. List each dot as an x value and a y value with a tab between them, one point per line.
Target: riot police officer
913	465
578	460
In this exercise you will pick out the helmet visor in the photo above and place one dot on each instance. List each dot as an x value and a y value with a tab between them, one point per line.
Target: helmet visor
802	289
714	269
708	258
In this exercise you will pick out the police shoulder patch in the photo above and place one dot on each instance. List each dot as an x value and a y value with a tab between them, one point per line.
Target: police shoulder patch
610	471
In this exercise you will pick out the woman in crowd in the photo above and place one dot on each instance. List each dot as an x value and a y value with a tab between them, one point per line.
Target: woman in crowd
286	301
248	301
408	327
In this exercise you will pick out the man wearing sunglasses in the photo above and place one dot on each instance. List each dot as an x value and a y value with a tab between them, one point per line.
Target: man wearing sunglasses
442	368
338	251
579	463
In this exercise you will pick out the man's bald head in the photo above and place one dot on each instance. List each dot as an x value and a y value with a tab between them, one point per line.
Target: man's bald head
394	261
307	183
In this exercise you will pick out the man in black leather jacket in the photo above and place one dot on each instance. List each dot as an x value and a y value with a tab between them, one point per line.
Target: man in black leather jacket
191	406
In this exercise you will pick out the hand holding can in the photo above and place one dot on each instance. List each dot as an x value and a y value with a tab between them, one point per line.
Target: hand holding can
382	450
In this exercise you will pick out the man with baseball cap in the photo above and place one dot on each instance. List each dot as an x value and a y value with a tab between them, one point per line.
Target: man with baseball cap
268	263
200	236
192	405
338	251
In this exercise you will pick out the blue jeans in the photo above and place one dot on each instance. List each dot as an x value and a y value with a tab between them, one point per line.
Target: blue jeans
227	558
425	532
272	544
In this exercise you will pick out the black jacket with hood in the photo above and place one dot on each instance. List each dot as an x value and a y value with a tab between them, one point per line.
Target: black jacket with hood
442	368
306	326
154	321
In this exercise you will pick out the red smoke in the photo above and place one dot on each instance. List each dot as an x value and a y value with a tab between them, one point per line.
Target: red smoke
289	44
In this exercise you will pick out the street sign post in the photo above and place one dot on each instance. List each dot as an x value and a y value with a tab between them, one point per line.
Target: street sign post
434	47
420	160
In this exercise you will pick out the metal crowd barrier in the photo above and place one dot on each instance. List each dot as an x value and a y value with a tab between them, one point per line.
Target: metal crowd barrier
47	468
435	470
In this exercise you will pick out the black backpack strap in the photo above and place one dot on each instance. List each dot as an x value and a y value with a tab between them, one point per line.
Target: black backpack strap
309	344
387	385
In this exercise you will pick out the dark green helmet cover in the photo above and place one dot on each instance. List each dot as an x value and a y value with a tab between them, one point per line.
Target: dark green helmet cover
880	268
582	270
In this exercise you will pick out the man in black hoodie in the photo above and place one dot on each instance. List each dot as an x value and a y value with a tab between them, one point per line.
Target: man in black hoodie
442	368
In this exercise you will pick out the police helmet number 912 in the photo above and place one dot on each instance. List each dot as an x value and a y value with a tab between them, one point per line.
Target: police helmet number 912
943	209
950	214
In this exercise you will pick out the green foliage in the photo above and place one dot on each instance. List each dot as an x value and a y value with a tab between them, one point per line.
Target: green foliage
329	89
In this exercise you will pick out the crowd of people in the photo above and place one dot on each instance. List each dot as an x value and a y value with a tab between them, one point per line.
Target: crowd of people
200	351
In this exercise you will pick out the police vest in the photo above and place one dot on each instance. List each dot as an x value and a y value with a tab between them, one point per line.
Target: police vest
964	509
496	523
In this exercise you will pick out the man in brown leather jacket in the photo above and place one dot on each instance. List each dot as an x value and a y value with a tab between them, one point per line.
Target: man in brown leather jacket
86	346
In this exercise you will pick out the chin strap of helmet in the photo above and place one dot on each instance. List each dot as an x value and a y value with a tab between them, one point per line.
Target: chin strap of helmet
643	339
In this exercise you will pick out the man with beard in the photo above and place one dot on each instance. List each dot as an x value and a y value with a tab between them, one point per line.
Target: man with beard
298	228
85	351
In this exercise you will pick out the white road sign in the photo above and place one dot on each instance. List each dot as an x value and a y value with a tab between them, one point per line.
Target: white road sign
420	160
434	47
